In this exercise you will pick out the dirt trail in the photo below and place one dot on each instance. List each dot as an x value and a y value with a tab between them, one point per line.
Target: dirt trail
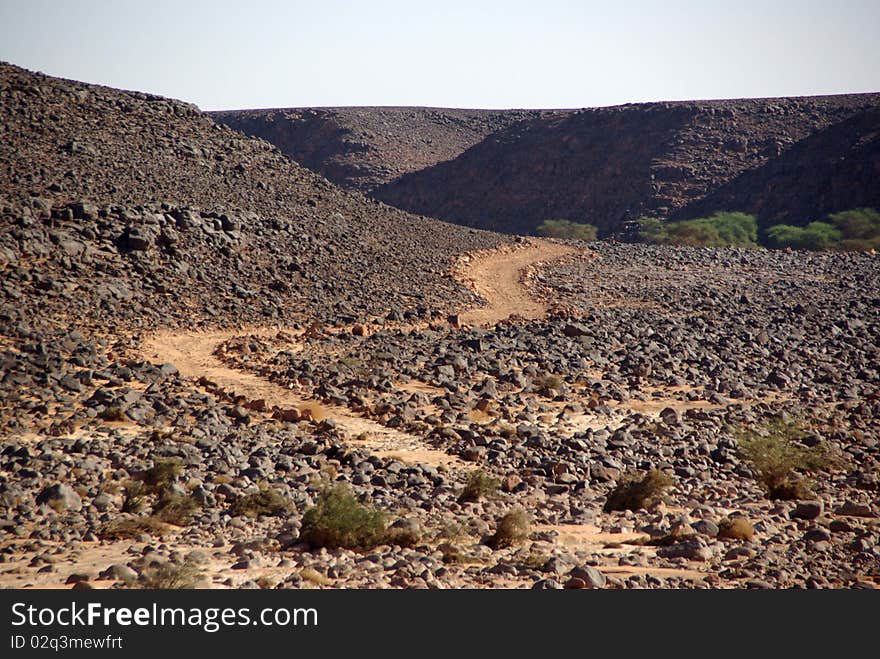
496	276
193	355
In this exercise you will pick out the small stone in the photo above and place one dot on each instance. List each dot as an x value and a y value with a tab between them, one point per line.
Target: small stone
706	527
853	509
60	496
591	577
808	510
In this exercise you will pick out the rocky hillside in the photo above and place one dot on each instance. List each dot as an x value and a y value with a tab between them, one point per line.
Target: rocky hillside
834	169
217	368
364	147
123	205
602	166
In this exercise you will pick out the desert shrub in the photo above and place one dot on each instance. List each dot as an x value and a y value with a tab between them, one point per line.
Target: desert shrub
814	236
736	528
513	528
480	485
693	233
169	576
113	413
163	472
857	224
857	245
857	229
719	230
567	230
652	230
634	491
403	533
340	520
134	497
549	385
779	462
130	527
266	501
452	553
176	509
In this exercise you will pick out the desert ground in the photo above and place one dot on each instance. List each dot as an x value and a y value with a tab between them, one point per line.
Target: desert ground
219	369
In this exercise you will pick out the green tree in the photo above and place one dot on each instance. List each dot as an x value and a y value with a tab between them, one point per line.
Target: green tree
719	230
814	236
652	230
567	230
859	223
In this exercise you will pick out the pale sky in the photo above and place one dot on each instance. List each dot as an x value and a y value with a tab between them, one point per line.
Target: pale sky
448	53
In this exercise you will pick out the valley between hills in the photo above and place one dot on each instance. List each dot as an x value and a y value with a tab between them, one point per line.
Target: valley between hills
327	352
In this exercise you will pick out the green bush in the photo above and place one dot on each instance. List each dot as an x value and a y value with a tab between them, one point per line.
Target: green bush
479	486
652	230
340	520
512	529
852	230
264	502
634	491
720	230
814	236
780	462
567	230
857	224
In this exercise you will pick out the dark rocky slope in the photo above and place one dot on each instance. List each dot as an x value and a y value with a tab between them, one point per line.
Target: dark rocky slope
602	166
363	147
835	169
121	205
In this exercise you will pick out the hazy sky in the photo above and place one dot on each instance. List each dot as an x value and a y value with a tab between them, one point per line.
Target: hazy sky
539	53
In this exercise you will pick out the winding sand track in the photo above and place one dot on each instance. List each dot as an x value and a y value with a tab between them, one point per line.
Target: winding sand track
495	275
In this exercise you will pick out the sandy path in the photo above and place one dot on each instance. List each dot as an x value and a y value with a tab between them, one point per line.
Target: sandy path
193	355
496	276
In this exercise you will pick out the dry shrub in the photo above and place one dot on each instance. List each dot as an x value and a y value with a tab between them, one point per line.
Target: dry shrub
131	527
169	576
340	520
134	498
479	486
266	501
512	529
549	385
176	509
634	492
163	472
736	528
313	411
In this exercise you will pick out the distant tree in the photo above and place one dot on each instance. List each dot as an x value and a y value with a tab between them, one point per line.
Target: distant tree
719	230
814	236
694	233
567	230
859	223
739	229
652	230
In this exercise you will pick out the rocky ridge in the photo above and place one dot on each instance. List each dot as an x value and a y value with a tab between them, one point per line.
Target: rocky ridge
685	159
362	148
649	358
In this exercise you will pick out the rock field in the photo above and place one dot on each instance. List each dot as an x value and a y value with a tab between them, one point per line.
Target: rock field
199	338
